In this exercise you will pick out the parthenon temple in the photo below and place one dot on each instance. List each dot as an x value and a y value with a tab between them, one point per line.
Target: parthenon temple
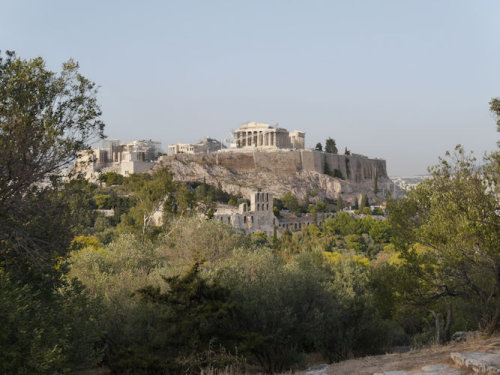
260	135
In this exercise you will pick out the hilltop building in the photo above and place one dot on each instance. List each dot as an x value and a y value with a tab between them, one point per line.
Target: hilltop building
123	158
253	135
250	136
259	217
203	146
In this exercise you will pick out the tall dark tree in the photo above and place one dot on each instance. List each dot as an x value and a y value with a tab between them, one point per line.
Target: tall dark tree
198	315
340	204
364	202
495	109
331	146
318	147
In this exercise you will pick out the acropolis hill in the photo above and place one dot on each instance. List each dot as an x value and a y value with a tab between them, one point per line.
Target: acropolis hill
279	171
261	158
272	159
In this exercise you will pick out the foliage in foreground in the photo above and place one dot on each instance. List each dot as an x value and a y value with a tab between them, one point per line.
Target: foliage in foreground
47	331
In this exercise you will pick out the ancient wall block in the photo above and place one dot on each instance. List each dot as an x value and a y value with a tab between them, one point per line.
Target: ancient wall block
286	163
312	161
334	161
282	163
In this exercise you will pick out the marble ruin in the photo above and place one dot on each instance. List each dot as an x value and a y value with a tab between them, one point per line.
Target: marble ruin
122	158
253	135
250	136
203	146
259	217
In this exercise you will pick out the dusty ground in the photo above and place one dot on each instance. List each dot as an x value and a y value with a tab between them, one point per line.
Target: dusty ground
412	360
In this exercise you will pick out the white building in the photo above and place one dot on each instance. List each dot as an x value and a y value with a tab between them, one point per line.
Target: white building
122	158
203	146
253	135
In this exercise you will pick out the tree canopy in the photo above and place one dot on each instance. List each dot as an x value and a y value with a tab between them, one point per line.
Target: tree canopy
448	231
46	118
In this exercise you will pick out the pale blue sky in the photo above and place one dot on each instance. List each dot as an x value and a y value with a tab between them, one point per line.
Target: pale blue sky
400	80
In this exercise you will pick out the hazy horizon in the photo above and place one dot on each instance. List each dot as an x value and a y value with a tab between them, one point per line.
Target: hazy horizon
388	79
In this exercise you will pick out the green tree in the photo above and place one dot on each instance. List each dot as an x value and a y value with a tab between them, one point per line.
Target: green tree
198	316
380	231
259	238
326	168
453	214
155	195
281	307
364	202
47	331
495	109
493	160
340	203
112	178
321	206
330	146
318	147
290	202
103	201
46	118
76	201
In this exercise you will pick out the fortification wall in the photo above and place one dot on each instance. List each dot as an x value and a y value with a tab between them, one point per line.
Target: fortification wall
287	162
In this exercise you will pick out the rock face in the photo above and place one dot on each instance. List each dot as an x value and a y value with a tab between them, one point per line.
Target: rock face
298	171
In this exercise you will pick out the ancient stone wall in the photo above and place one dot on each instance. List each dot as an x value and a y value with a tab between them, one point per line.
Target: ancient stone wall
287	162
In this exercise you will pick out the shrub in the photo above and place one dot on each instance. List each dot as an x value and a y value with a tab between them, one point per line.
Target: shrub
281	307
47	331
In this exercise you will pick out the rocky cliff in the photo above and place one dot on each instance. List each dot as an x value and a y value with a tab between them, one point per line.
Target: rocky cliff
298	171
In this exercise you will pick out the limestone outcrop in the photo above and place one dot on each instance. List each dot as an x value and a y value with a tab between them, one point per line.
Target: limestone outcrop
298	171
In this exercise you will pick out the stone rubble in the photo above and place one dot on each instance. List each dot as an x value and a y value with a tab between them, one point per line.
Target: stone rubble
437	369
480	363
317	370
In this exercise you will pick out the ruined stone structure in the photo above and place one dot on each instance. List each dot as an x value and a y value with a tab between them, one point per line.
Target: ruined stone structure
260	217
123	158
252	135
292	222
203	146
